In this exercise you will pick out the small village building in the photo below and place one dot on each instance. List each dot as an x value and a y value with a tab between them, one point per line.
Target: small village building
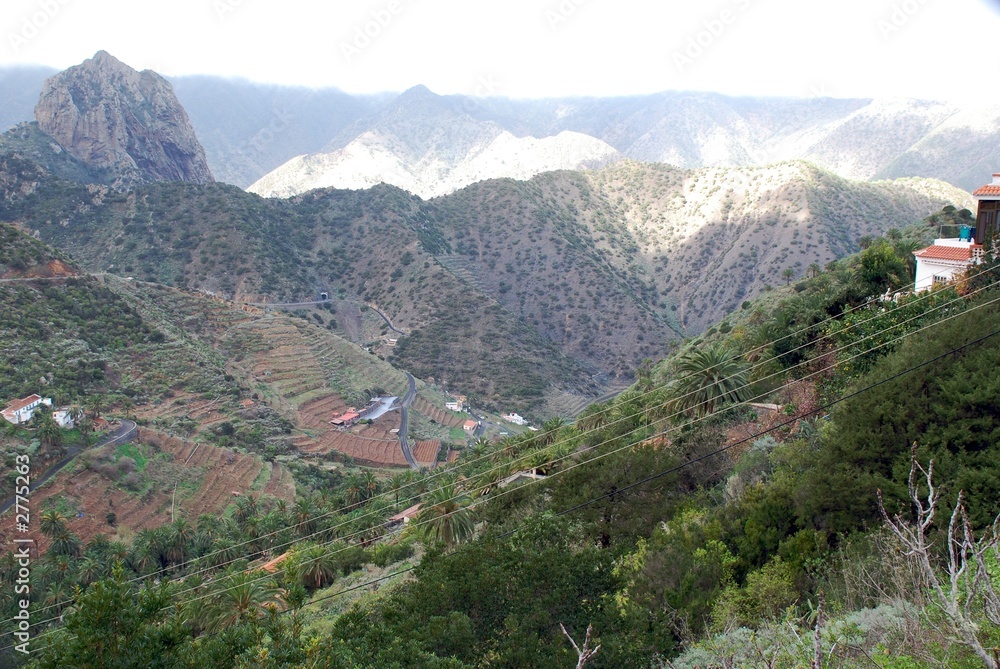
944	261
514	418
64	418
404	516
949	258
21	411
454	405
470	426
346	419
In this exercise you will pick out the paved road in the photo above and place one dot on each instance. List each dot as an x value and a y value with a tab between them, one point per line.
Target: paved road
387	321
408	398
121	434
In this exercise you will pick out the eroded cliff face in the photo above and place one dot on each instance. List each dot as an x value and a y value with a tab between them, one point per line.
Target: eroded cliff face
111	116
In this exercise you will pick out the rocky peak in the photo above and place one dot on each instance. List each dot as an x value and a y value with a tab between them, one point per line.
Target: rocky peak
108	115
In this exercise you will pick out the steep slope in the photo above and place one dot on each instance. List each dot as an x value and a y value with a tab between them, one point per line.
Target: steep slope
513	291
708	239
110	116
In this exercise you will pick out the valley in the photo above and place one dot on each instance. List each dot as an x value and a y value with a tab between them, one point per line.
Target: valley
428	381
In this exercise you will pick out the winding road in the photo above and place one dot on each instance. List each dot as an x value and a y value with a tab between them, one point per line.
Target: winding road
404	405
121	434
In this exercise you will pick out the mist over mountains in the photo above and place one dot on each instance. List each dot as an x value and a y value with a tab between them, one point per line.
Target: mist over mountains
285	140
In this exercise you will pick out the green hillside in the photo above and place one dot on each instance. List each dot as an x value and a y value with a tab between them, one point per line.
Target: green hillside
679	523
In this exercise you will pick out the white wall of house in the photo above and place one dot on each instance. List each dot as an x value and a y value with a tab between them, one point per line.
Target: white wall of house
931	271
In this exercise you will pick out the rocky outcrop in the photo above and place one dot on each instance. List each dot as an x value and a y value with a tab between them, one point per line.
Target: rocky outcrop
110	116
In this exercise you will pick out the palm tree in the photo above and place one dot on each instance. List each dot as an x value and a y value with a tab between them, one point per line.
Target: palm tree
304	516
181	534
95	405
355	490
128	404
318	566
396	483
446	518
86	427
246	508
550	430
240	597
709	377
371	484
594	417
52	523
788	274
65	543
48	431
90	570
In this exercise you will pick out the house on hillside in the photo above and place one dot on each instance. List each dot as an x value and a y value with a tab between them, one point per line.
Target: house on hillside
404	516
64	418
21	411
950	257
454	405
470	426
346	419
514	418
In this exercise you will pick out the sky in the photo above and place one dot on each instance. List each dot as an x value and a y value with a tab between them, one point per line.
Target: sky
931	49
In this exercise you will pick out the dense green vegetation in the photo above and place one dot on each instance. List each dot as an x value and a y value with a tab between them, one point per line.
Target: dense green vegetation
694	533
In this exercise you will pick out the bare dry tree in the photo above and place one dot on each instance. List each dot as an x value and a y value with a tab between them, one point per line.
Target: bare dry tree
963	591
586	653
817	662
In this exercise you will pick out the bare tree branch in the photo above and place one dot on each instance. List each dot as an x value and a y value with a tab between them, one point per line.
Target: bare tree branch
587	652
967	583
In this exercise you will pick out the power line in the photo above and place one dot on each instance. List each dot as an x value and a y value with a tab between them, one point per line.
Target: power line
700	458
347	521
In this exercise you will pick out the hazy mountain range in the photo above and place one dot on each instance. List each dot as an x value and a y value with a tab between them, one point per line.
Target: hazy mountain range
284	140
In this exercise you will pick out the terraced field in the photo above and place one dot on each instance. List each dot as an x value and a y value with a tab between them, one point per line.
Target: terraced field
206	478
425	453
424	406
301	362
373	445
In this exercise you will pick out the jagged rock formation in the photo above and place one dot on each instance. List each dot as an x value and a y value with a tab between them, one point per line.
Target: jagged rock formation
110	116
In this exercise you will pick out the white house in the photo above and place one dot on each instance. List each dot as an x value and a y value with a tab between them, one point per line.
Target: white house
20	411
514	418
63	418
944	261
947	258
453	406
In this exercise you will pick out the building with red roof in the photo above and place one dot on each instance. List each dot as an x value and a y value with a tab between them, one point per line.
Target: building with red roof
949	258
21	411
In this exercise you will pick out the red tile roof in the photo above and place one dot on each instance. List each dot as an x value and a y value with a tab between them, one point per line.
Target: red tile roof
986	190
406	513
945	253
17	405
